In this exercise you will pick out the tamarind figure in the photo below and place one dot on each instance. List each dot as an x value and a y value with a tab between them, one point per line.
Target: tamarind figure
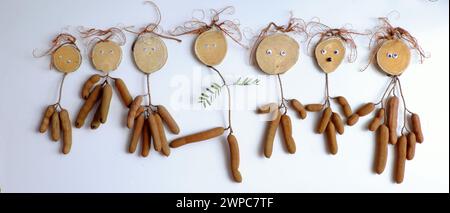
106	55
66	58
150	55
330	51
210	49
392	55
274	53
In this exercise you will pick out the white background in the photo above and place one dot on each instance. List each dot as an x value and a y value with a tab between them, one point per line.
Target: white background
99	162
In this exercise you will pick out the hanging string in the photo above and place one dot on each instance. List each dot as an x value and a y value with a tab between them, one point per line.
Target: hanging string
327	91
58	102
283	100
59	41
148	91
230	127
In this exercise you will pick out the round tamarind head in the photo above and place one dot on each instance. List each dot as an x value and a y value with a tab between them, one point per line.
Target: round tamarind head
106	56
277	53
329	54
393	57
211	47
66	58
150	53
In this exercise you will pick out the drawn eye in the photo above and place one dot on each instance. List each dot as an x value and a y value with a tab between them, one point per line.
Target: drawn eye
395	55
153	49
111	51
214	45
323	52
269	52
60	57
389	55
145	49
283	53
102	52
69	61
206	45
336	52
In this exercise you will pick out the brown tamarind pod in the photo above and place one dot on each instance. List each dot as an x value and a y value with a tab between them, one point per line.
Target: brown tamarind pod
132	111
270	134
66	131
137	131
416	127
165	149
392	119
366	109
123	92
323	122
411	147
345	106
376	121
154	130
267	108
106	102
201	136
87	86
382	149
234	158
145	140
168	119
338	123
299	108
353	119
46	118
314	107
56	128
286	126
139	111
400	160
95	123
331	138
87	106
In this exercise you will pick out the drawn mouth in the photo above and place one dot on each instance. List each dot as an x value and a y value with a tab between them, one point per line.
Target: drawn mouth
329	59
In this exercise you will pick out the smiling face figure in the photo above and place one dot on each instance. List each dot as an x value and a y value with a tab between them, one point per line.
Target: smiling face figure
150	53
329	54
106	56
393	57
211	47
277	53
66	58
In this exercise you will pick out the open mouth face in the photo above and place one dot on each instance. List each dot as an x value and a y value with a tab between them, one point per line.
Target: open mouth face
277	54
66	59
211	47
393	57
150	53
106	56
329	54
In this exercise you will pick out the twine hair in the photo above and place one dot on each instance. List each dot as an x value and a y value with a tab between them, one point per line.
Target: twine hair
59	41
93	36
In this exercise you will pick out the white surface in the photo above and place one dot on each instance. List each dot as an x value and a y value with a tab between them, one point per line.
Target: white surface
99	162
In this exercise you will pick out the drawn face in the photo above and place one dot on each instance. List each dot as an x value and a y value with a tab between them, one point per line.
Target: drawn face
329	54
211	47
106	56
277	53
150	53
66	58
393	57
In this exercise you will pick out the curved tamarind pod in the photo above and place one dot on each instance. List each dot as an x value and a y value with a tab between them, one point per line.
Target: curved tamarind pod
56	128
270	134
154	130
132	111
401	158
345	106
168	119
323	122
353	119
46	118
145	140
411	147
87	106
376	121
267	108
106	102
314	107
299	108
286	126
66	131
392	119
87	86
201	136
234	158
95	123
338	123
123	92
139	111
366	109
416	127
382	149
165	149
331	138
137	131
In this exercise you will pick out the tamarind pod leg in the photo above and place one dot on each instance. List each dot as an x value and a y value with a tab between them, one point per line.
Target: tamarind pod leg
145	140
165	149
154	130
417	128
400	159
95	123
338	123
392	118
324	120
134	106
123	92
382	149
411	148
46	118
168	119
106	102
201	136
286	126
234	158
270	134
331	138
137	131
66	130
87	106
87	86
55	127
